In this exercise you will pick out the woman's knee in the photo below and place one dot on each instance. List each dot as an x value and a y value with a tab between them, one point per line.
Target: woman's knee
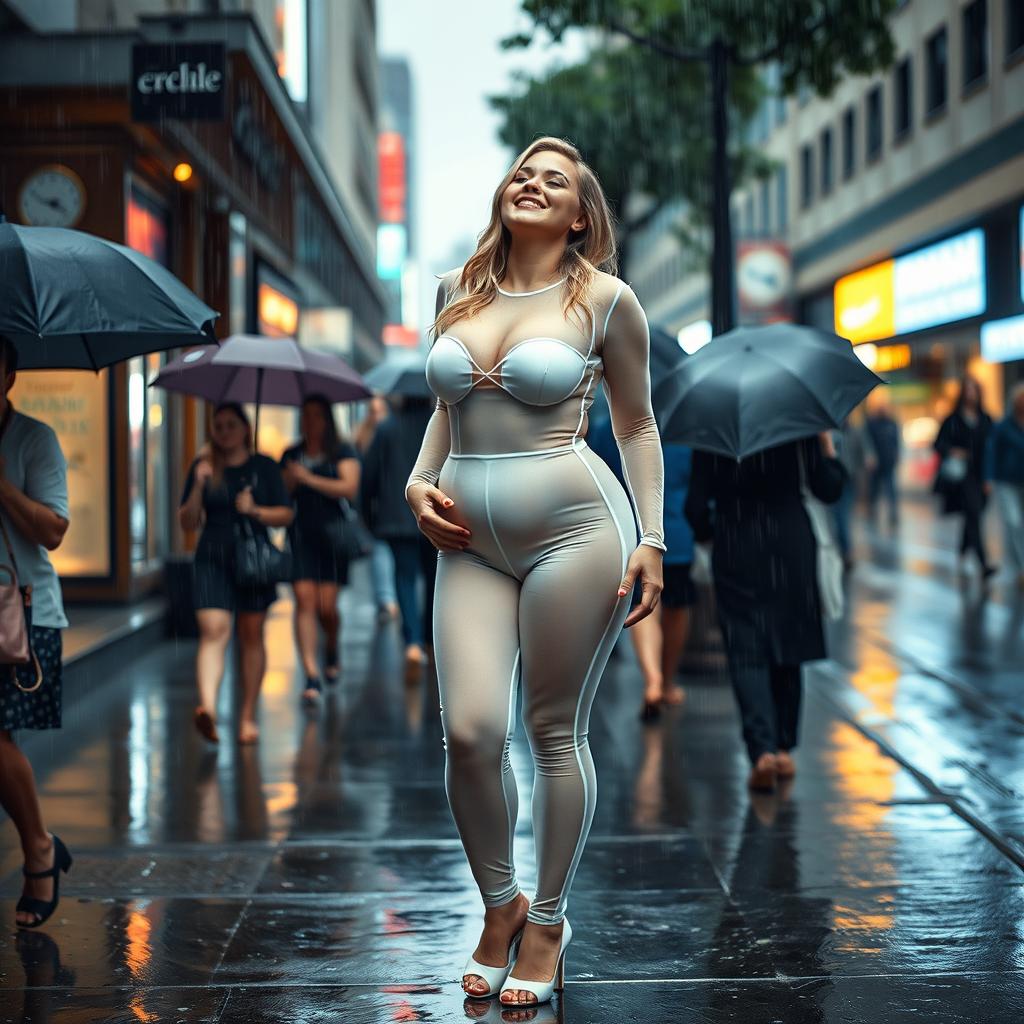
475	740
214	626
250	628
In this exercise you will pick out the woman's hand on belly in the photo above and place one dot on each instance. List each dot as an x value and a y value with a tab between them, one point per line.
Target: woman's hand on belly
645	563
437	517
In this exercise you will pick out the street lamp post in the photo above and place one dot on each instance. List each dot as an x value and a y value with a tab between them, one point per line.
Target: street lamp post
723	284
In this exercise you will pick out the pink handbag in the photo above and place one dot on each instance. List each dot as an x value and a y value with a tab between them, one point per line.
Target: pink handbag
15	610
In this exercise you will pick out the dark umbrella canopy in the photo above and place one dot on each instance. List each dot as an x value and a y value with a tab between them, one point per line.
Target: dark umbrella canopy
404	375
274	371
70	300
665	357
757	387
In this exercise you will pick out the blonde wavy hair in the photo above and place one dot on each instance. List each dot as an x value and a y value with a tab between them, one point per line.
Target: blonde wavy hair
586	251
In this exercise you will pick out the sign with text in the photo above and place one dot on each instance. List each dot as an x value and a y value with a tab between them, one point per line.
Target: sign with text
938	284
180	80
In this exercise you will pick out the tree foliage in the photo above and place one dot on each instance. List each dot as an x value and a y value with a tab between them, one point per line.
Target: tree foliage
639	107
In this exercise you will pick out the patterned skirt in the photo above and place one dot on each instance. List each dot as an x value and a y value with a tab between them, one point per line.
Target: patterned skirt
41	708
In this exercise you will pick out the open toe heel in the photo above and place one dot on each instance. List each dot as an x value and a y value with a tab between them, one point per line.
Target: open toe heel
42	910
542	990
493	976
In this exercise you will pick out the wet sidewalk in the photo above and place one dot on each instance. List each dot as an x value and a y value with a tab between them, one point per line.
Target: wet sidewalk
320	878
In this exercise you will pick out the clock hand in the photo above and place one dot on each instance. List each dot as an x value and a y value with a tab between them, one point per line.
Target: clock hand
53	203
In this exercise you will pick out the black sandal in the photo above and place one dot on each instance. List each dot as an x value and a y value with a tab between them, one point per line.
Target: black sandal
313	691
40	908
332	661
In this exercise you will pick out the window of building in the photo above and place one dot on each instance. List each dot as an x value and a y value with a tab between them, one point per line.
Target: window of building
937	71
782	200
975	32
873	139
826	161
806	176
903	99
849	142
1014	27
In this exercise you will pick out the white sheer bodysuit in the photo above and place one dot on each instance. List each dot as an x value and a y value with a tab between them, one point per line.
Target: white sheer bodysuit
533	599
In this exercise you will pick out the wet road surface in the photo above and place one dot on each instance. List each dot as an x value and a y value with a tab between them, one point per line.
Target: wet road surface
319	877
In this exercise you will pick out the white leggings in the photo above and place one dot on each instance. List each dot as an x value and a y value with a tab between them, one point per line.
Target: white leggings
533	599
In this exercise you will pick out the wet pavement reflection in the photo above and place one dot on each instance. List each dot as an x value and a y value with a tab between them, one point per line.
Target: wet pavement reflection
319	876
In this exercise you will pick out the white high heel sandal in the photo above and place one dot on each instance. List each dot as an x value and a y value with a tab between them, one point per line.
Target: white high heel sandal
543	990
494	976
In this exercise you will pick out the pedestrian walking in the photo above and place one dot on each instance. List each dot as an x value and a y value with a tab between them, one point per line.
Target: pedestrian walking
660	639
538	543
765	571
853	448
960	479
1004	470
321	472
882	460
382	562
33	521
387	465
230	492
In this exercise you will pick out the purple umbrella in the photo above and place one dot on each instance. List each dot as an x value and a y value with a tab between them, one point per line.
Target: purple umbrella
249	368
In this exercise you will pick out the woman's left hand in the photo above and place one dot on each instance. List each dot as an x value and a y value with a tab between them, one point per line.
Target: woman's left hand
645	563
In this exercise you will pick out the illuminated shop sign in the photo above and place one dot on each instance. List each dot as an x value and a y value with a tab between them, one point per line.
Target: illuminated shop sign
180	80
1003	340
392	246
391	183
934	285
278	313
883	358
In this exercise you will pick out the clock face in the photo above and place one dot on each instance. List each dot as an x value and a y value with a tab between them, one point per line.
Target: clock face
52	197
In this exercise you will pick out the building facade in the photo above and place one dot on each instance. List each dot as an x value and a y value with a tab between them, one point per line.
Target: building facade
899	199
245	207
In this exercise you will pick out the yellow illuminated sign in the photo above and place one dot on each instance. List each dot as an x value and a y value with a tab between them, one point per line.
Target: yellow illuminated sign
278	314
885	358
865	308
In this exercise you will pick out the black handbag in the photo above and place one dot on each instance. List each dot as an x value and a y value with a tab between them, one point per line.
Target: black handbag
258	562
346	536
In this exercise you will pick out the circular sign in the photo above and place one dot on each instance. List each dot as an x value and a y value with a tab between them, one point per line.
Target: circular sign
762	277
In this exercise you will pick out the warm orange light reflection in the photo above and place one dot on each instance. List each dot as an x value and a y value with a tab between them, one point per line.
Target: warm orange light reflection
278	313
139	951
182	172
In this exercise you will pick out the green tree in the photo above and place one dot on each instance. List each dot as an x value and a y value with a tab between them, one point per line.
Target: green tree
814	43
641	125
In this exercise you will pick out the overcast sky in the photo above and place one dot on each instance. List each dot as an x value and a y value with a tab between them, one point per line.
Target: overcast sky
452	47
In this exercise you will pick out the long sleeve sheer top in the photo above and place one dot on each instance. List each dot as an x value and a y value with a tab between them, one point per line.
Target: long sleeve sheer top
520	376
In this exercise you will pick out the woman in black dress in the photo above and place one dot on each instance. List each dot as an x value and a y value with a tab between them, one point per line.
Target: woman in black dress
321	471
961	446
230	488
764	563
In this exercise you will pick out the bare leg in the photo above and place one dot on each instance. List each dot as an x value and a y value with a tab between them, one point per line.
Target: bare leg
675	627
254	664
19	798
305	625
214	633
330	623
647	643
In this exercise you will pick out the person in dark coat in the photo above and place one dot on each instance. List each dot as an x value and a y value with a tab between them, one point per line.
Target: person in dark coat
1004	469
960	481
320	472
386	467
883	437
764	564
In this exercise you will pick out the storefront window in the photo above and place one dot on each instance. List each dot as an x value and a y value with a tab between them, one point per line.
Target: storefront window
74	404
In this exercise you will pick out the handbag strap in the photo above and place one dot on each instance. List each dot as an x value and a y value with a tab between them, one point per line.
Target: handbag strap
3	526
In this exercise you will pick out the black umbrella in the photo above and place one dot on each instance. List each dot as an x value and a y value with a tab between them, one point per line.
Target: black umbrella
72	301
665	357
400	375
757	387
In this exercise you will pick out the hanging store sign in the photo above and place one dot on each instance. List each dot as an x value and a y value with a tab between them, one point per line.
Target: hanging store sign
180	80
935	285
1002	341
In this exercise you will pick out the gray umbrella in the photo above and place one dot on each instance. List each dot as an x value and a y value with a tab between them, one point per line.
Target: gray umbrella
758	387
250	368
665	358
70	300
401	375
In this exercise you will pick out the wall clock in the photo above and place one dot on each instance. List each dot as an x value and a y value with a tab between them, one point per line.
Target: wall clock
52	196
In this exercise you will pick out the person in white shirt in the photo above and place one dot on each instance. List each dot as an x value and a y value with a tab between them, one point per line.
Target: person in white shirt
34	517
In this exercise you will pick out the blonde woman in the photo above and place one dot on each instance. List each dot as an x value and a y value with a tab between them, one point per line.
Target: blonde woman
537	540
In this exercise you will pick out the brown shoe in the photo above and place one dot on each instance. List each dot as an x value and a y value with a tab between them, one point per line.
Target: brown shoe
785	766
206	725
763	775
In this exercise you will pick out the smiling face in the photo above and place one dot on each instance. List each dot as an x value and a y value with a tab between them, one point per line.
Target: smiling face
543	197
